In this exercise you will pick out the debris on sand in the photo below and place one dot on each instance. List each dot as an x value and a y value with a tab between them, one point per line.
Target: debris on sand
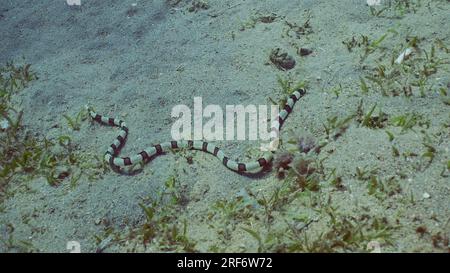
281	60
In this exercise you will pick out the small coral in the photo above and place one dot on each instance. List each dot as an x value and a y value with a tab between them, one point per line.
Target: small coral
198	5
4	124
306	143
282	162
304	168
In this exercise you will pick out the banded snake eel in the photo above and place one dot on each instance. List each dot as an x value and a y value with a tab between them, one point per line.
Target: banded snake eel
117	162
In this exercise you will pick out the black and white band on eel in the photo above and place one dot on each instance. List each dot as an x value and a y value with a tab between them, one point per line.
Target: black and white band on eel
112	154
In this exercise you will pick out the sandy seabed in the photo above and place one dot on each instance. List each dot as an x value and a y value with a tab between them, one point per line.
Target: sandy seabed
138	59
